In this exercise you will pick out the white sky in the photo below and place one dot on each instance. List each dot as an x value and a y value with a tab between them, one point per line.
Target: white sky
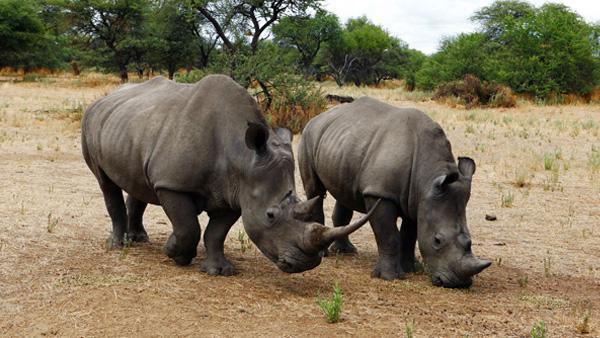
423	23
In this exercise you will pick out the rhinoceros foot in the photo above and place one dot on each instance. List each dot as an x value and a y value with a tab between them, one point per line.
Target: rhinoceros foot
216	267
343	247
181	255
114	242
139	236
389	268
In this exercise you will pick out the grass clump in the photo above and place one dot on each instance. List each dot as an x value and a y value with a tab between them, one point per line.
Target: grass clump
551	160
332	308
539	330
507	200
409	329
245	244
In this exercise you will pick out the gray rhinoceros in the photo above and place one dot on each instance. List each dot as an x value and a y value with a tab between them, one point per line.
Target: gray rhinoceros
202	147
367	150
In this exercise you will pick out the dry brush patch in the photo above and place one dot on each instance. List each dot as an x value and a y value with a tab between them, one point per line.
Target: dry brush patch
63	282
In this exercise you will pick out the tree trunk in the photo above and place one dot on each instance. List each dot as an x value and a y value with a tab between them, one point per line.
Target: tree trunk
171	73
268	97
75	67
123	73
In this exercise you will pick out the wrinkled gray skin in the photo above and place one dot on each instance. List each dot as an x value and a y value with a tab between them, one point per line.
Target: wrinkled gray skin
366	150
202	147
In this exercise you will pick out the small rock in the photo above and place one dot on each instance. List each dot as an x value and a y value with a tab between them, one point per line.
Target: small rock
490	217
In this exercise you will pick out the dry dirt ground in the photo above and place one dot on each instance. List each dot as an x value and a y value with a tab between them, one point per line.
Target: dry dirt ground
56	278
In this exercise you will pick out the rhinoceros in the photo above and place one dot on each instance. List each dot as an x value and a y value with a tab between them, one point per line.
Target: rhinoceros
202	147
367	150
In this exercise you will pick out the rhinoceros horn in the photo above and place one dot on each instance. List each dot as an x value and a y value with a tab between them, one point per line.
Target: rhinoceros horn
471	265
319	237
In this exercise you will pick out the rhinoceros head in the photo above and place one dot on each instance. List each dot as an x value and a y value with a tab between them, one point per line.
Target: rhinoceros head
280	225
444	239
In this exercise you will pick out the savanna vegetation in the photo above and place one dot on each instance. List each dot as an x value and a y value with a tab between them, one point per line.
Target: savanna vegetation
281	47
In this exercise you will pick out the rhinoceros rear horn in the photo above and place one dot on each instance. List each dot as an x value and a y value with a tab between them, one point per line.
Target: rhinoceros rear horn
309	211
320	236
257	135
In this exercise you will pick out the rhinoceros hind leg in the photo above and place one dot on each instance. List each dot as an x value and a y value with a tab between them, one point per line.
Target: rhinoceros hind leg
408	239
342	216
113	198
135	226
214	237
383	222
182	211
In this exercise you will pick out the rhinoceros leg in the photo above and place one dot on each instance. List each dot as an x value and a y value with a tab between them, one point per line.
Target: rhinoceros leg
214	237
342	216
408	239
135	214
383	222
113	198
182	211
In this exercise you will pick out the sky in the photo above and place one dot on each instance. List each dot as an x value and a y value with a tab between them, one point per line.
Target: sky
423	23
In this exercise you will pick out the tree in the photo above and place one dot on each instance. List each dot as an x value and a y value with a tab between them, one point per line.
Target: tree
112	26
25	42
172	33
306	34
544	51
458	56
362	53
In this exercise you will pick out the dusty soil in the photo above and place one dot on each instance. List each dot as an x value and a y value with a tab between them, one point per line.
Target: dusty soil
56	278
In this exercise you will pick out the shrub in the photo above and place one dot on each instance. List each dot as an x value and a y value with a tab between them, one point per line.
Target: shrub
294	101
472	93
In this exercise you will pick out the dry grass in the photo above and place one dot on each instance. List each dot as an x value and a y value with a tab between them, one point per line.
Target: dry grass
56	278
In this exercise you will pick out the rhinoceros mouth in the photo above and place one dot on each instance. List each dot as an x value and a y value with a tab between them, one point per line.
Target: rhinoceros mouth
450	280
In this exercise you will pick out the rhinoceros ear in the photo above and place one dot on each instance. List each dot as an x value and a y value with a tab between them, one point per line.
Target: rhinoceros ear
256	137
285	134
466	166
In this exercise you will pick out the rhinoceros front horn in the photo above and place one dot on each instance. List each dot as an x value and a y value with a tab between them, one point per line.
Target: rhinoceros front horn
473	266
319	237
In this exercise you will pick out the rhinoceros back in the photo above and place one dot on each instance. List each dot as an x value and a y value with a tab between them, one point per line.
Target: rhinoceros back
368	148
160	134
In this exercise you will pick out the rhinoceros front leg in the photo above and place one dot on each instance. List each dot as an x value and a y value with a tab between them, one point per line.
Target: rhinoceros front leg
182	211
214	237
342	216
383	222
135	214
408	239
